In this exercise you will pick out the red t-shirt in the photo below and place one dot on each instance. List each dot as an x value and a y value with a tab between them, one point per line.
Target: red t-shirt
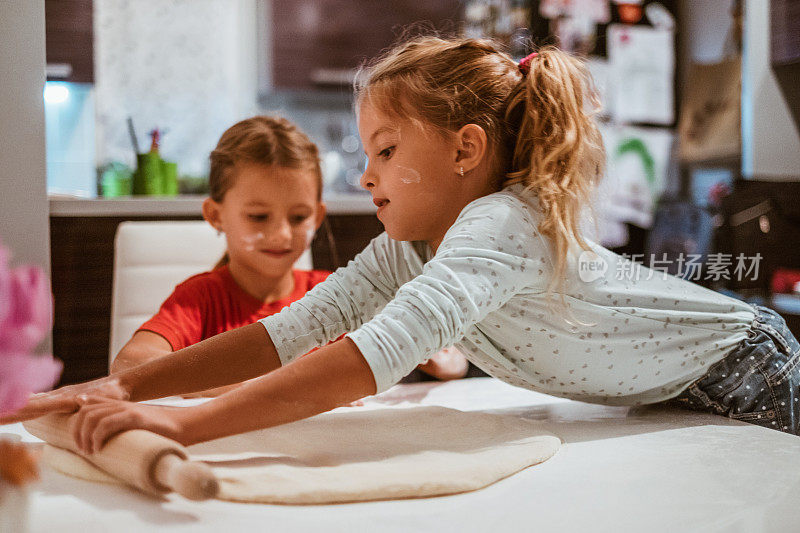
212	302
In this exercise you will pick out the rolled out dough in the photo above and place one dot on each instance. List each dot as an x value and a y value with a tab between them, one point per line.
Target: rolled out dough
359	455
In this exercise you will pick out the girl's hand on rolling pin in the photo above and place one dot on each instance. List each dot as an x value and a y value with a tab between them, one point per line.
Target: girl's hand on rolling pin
66	399
100	418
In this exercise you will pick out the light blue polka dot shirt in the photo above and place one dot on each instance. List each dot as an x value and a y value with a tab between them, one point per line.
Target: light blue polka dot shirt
631	336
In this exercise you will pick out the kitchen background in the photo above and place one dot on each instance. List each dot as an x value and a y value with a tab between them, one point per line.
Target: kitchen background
192	68
668	73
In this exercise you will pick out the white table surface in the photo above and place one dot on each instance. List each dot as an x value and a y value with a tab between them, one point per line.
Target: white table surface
619	470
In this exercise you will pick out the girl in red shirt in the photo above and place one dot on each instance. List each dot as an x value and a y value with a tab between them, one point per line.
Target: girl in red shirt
266	196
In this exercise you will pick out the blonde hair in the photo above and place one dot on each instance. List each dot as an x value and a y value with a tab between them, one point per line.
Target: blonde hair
262	139
540	129
268	140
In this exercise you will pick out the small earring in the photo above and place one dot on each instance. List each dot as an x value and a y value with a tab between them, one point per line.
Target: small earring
219	232
461	171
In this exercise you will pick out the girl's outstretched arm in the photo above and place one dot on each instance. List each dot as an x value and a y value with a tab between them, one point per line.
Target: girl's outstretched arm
231	357
228	358
143	346
330	377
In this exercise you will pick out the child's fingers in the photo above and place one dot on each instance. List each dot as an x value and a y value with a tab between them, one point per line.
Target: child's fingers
106	428
91	407
64	400
76	425
40	406
85	421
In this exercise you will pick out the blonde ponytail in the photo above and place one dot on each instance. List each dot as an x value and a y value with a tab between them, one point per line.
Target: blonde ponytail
557	150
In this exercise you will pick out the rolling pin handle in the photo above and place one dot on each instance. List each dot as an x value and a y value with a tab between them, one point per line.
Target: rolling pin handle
190	479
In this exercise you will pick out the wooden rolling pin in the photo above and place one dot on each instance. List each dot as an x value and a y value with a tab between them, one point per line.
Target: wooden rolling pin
145	460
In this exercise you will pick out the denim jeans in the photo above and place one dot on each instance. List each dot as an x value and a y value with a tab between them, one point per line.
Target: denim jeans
757	382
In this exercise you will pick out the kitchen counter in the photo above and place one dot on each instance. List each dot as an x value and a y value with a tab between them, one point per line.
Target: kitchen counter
187	205
620	470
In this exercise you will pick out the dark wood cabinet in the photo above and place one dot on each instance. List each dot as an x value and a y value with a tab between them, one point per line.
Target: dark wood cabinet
69	31
785	51
82	264
318	43
784	31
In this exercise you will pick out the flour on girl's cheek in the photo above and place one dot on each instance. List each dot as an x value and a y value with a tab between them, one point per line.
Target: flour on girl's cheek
414	178
309	236
251	240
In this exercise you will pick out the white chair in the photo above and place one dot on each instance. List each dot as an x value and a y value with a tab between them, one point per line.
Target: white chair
150	259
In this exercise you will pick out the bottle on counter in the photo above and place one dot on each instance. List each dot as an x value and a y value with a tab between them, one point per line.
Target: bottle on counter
154	176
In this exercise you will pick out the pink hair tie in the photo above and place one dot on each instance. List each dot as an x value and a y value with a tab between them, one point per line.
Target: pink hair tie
525	63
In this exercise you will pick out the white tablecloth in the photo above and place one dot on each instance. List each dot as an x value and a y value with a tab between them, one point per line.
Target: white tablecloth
620	470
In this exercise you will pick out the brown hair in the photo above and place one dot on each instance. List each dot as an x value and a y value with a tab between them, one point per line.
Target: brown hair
541	131
262	139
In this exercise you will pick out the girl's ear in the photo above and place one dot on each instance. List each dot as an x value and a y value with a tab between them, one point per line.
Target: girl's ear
211	212
472	147
321	211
